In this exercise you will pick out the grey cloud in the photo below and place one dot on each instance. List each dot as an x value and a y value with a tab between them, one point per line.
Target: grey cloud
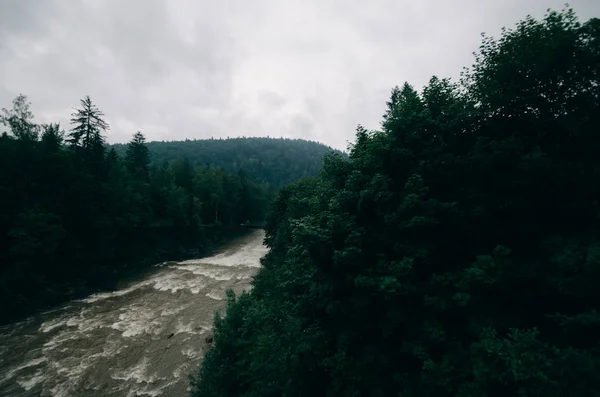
128	56
305	127
21	18
180	69
271	99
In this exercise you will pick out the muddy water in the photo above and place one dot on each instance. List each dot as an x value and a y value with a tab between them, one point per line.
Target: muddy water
142	340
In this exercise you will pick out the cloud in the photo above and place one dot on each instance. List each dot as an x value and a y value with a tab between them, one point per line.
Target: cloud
178	69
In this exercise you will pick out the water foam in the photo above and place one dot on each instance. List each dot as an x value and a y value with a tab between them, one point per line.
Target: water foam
31	363
216	295
30	382
174	283
182	369
215	273
190	353
52	324
188	328
245	256
78	339
170	311
136	320
138	373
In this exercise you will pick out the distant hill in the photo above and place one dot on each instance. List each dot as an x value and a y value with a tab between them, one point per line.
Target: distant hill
276	161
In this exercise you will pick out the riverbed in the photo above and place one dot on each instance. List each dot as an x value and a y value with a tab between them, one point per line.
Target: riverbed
141	340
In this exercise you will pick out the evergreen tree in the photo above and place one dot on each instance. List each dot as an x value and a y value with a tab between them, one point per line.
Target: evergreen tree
86	137
271	161
88	126
454	253
137	157
74	205
52	137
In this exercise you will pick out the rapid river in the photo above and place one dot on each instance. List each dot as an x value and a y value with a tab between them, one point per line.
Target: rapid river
142	340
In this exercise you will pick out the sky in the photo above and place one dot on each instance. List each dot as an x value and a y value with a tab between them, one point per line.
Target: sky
185	69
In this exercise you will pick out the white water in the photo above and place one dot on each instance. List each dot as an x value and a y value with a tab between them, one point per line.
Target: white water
142	340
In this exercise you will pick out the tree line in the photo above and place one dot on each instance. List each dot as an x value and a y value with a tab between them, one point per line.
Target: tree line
274	161
456	252
77	216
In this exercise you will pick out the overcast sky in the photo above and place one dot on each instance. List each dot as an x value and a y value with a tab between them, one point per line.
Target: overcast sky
178	69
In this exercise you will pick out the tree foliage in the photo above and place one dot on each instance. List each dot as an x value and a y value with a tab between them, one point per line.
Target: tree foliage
76	218
137	159
455	253
88	125
19	119
271	161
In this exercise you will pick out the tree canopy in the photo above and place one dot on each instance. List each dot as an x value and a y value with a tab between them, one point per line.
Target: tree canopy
77	217
455	253
275	162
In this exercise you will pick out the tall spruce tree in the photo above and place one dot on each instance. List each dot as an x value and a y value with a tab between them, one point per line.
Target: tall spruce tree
86	137
137	157
88	126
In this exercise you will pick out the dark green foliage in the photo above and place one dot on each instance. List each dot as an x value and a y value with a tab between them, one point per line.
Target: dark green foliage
137	158
19	119
275	162
455	253
88	125
77	218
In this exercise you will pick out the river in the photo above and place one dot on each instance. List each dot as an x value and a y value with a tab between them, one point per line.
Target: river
142	340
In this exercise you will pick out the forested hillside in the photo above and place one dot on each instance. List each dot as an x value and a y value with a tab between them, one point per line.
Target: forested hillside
455	253
265	160
76	216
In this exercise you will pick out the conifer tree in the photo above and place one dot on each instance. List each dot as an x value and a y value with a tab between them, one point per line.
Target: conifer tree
88	126
137	157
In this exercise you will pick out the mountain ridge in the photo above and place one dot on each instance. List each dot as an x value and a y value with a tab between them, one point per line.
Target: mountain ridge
275	161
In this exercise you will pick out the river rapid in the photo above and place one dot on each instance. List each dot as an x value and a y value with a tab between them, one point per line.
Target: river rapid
142	340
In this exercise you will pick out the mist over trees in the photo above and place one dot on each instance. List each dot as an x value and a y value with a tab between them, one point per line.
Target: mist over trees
77	216
456	252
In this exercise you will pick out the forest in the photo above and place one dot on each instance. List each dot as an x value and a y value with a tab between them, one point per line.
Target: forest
455	252
274	161
80	216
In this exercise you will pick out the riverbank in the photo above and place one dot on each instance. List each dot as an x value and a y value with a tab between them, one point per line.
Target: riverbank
112	276
144	338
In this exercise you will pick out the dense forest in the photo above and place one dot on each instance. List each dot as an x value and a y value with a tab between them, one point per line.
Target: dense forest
273	161
456	252
78	216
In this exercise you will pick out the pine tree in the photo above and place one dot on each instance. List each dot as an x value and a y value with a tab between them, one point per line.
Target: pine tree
183	173
52	137
86	137
137	157
88	126
74	205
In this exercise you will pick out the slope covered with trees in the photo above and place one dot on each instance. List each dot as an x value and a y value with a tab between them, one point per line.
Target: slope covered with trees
455	253
275	162
76	216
